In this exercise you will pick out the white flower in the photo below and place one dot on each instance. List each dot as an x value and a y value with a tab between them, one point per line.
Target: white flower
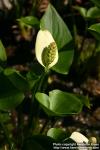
46	49
80	139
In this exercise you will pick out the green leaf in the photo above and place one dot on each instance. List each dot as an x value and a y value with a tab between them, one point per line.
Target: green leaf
32	78
37	69
54	23
59	103
38	142
17	79
95	30
6	87
11	101
29	20
57	134
64	62
85	100
96	2
10	96
93	12
97	47
34	75
3	56
81	10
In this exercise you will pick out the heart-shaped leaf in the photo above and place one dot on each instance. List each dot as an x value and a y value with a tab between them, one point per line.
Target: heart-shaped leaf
59	103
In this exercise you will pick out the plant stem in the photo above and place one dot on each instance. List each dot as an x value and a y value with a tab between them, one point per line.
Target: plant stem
35	109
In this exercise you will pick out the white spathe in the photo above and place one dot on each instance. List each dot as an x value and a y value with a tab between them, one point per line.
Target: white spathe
80	139
43	40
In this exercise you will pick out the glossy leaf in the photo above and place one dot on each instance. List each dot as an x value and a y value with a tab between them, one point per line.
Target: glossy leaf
93	12
59	103
17	79
96	2
64	62
29	20
57	134
95	30
38	142
3	56
54	23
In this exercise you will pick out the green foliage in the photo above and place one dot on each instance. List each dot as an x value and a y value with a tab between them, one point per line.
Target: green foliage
95	30
8	102
81	10
59	103
93	12
3	56
54	23
29	21
17	79
96	2
57	134
64	61
85	100
24	93
10	96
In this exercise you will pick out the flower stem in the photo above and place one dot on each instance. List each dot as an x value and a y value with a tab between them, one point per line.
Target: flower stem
35	109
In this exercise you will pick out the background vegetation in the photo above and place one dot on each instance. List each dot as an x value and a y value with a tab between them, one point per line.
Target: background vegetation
25	119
